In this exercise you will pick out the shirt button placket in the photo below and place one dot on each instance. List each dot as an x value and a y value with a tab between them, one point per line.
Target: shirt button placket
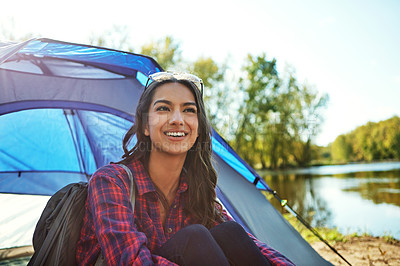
169	230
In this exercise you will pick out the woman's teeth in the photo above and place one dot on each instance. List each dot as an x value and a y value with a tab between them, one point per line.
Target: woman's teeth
175	134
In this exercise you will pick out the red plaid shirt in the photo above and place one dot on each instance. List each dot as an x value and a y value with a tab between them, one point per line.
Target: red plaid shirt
108	220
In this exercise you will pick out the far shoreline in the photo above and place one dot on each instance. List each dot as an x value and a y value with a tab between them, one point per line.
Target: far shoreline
295	169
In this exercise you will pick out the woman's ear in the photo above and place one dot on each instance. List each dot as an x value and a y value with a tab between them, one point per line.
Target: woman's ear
146	131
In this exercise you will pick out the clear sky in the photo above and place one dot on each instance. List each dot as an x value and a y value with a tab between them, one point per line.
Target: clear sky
349	49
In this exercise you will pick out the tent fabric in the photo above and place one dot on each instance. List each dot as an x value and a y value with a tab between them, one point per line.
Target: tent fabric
118	94
64	109
115	61
63	128
223	149
9	49
262	219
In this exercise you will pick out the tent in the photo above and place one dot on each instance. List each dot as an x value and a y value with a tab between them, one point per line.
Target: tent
64	109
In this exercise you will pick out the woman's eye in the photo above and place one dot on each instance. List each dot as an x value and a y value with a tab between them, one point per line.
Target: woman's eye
190	110
162	108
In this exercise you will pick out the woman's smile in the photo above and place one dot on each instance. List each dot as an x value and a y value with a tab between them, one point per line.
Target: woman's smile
176	134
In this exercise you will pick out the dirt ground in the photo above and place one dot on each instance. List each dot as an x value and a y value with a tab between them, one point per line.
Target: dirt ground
364	250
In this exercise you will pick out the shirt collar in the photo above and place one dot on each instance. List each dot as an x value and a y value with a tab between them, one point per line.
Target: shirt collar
183	186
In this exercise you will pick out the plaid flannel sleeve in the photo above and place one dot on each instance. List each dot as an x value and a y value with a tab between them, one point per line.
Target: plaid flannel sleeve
120	242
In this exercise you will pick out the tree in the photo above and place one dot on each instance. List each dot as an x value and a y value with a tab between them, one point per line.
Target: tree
372	141
259	86
279	117
307	122
341	149
218	93
165	51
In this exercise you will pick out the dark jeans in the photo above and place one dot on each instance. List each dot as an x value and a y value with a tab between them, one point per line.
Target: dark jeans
225	244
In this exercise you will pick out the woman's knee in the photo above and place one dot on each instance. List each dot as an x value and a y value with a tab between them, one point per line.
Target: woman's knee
231	227
195	230
192	235
237	245
197	233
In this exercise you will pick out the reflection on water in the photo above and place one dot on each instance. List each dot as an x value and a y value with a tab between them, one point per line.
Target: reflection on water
380	187
353	198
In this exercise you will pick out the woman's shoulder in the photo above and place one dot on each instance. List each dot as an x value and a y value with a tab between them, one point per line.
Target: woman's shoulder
109	169
114	170
114	173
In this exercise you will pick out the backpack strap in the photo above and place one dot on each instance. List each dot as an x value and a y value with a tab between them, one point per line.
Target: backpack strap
133	185
100	259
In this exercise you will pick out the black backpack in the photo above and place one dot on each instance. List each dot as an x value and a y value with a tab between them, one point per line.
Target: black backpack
59	227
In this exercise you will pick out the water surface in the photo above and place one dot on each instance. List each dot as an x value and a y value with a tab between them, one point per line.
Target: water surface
363	198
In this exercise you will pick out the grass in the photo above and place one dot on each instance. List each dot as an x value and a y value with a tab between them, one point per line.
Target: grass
390	239
331	235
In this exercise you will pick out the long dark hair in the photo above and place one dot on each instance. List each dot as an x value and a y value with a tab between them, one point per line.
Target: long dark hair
201	200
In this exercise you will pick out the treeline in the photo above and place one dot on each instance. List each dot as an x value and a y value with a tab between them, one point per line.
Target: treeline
269	118
370	142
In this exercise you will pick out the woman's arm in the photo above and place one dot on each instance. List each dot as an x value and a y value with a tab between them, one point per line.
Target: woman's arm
109	202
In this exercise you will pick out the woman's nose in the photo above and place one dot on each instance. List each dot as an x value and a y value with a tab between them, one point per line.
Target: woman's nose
176	118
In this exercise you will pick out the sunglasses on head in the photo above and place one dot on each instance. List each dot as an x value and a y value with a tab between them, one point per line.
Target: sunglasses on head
161	76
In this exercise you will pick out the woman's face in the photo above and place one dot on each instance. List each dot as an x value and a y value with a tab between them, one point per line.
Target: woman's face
172	122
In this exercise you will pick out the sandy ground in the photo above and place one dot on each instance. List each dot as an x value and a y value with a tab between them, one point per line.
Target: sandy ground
362	251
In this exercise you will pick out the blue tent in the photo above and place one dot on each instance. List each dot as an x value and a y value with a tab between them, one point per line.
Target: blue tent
64	109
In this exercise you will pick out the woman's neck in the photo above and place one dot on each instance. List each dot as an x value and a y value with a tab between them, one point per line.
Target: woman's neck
164	171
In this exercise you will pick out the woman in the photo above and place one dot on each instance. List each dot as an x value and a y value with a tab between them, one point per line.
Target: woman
177	219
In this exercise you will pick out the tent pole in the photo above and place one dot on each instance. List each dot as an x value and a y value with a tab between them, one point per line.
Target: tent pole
284	204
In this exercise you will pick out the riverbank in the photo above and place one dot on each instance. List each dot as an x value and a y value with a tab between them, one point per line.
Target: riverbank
357	249
362	250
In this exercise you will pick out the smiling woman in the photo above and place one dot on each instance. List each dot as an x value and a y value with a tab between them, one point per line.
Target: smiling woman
177	218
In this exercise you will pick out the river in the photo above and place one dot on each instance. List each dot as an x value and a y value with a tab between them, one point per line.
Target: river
362	198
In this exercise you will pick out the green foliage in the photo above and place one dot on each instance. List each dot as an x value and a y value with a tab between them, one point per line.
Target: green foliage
370	142
278	118
331	235
341	149
216	92
390	239
208	70
165	51
324	155
260	90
